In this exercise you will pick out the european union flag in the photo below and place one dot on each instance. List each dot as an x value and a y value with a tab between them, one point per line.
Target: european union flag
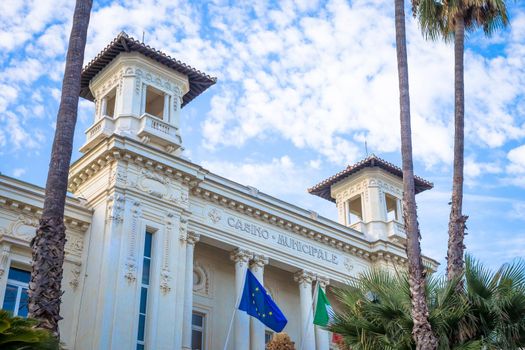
258	303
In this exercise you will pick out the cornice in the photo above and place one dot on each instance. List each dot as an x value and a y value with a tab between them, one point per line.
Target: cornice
118	148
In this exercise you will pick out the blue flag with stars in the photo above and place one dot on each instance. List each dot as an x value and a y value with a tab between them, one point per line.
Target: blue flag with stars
258	303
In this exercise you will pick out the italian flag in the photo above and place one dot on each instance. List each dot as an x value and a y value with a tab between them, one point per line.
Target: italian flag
323	310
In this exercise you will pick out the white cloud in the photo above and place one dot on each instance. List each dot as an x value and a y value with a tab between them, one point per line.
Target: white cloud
516	157
18	172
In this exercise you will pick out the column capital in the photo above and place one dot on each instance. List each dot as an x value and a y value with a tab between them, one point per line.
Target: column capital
241	256
259	260
193	238
304	277
323	281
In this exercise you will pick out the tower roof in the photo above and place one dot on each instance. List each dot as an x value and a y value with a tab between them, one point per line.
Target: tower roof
199	81
322	189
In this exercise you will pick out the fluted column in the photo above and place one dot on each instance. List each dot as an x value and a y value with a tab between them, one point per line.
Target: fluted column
322	338
191	239
257	328
241	330
307	341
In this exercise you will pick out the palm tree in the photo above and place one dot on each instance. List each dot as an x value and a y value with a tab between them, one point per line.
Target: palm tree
375	311
19	333
48	244
449	19
422	331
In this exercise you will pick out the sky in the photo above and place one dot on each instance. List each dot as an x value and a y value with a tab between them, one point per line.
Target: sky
302	85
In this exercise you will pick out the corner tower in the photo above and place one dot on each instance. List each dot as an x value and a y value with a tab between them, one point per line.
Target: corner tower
138	93
368	196
137	186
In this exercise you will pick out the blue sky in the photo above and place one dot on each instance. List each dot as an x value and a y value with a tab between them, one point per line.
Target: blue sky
301	86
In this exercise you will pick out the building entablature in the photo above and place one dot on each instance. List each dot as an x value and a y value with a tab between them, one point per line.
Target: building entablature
233	198
22	204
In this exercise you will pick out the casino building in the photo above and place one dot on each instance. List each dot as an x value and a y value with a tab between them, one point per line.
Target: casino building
157	246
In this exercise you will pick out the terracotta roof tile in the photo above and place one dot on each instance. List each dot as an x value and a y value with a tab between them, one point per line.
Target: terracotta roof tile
322	189
199	81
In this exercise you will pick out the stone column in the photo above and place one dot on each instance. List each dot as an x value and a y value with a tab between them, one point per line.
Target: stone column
241	330
166	111
322	338
104	106
257	328
307	340
143	99
188	290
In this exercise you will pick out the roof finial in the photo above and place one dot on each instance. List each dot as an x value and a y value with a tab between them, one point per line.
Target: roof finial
366	148
143	33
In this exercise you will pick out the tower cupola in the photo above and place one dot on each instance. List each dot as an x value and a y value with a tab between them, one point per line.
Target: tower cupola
138	93
368	196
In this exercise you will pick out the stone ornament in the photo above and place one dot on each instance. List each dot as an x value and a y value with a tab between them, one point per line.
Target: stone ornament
75	281
4	259
214	215
164	281
201	279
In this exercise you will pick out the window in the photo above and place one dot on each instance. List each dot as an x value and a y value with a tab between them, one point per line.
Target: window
197	331
108	103
355	210
154	102
146	263
16	297
391	207
268	335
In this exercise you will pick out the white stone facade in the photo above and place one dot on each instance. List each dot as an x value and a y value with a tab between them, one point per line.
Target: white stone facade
206	231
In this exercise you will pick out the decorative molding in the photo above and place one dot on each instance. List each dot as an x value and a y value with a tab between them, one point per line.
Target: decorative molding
164	281
4	259
165	275
130	267
201	279
215	215
80	176
130	270
116	208
183	228
75	280
348	264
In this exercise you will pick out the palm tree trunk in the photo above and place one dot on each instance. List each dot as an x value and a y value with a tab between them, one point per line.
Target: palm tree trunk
422	331
48	245
456	226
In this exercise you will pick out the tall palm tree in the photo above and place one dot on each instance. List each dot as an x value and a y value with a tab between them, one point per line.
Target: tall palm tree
449	19
48	245
422	331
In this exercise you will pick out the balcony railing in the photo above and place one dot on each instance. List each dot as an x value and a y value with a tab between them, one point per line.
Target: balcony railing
101	129
156	130
396	230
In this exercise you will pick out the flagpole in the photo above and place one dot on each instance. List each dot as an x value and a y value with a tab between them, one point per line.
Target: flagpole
239	295
305	329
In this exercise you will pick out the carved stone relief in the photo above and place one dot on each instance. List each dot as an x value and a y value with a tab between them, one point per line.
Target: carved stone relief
75	280
201	279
